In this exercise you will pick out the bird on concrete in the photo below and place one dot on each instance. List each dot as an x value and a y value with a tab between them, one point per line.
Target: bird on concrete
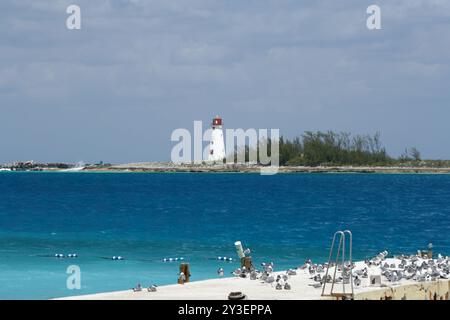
317	278
152	288
291	272
237	272
264	276
270	279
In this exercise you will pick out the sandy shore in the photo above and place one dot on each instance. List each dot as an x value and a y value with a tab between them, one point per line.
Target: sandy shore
301	289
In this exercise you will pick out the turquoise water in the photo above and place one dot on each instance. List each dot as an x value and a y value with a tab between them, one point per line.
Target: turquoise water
147	217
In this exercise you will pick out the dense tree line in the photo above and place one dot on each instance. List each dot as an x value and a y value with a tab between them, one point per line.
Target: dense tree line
331	148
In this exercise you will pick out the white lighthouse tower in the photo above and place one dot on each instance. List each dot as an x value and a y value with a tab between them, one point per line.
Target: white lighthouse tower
216	145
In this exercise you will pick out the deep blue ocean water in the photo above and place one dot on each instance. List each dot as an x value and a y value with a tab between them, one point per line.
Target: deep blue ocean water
147	217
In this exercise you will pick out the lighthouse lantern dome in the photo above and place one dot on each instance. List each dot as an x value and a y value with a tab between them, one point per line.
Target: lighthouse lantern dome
217	121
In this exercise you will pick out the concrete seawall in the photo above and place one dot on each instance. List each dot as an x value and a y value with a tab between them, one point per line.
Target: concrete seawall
434	290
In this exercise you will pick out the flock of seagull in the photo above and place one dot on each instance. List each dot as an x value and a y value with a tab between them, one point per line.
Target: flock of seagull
392	270
279	281
412	267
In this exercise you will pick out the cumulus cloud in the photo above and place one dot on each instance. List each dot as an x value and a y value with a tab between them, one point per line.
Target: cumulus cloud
115	89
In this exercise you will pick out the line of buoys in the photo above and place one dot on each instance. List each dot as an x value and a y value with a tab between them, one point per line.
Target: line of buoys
225	259
113	258
70	255
173	259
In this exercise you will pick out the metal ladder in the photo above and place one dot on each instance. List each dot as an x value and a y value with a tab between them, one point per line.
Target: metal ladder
341	248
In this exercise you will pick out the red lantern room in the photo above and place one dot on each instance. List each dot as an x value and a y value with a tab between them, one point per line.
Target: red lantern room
217	121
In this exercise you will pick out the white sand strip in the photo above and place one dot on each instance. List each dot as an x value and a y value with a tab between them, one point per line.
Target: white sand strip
301	289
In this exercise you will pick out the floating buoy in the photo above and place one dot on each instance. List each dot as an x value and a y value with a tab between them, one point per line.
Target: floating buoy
117	258
224	259
72	255
59	255
173	259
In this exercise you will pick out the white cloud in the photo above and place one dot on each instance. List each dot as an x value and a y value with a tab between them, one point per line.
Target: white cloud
310	61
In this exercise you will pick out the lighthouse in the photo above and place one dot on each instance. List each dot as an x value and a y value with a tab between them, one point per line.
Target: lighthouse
216	145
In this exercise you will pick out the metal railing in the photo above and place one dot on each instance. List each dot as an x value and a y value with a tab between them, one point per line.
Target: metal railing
340	261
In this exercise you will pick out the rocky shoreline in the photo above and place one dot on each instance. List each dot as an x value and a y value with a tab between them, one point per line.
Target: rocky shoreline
168	167
257	169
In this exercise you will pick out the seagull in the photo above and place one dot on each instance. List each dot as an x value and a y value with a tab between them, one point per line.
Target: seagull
317	278
270	279
435	272
287	286
306	265
137	288
357	272
357	281
220	272
152	288
291	272
237	272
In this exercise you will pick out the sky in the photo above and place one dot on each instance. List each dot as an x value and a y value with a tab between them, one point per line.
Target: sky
137	70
